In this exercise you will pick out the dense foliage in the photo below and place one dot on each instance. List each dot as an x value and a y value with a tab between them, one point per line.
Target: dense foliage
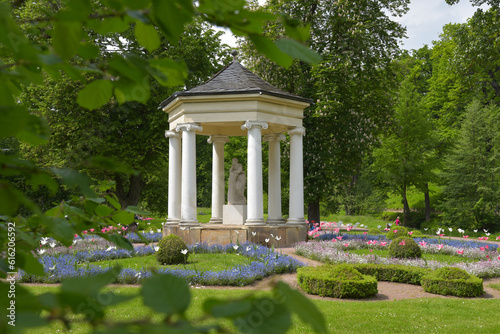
172	250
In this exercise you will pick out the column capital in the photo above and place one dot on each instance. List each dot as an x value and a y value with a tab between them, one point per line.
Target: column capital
171	133
274	137
188	127
217	139
250	124
299	130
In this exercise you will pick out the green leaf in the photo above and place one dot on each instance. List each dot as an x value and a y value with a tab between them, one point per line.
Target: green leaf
27	262
147	36
103	210
109	164
166	294
12	119
168	72
60	229
88	51
108	25
119	241
123	217
36	131
267	316
127	90
299	51
72	178
95	94
90	286
11	198
226	309
302	306
136	210
43	179
66	38
270	50
171	16
114	202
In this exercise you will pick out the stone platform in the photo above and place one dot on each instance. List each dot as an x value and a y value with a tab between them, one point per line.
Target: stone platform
283	235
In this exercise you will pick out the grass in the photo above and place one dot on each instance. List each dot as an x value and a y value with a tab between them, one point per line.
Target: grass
495	286
371	222
415	198
200	262
430	315
428	257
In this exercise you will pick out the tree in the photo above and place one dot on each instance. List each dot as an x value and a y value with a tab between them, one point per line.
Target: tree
351	87
407	154
59	43
471	178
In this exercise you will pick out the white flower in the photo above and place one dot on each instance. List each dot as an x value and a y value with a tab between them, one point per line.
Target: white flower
182	228
236	247
184	251
267	240
156	248
138	275
475	231
425	228
159	230
485	230
460	230
272	236
162	223
248	248
379	226
53	267
52	244
74	242
254	233
278	238
110	248
149	223
237	232
450	229
41	251
43	241
151	232
488	234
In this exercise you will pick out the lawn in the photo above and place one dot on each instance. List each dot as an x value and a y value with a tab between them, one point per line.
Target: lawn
200	262
432	315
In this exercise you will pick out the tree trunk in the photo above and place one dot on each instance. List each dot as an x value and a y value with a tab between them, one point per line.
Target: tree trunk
129	190
427	203
406	208
313	211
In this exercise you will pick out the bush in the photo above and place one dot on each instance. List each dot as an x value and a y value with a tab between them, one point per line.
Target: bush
417	234
340	281
375	231
454	282
170	251
393	272
401	231
404	248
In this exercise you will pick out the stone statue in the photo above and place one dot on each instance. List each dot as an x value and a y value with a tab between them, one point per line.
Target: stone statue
237	184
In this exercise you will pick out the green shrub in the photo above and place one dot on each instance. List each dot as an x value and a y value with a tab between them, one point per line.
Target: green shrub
417	234
498	249
454	282
340	281
375	231
404	248
393	272
401	231
170	251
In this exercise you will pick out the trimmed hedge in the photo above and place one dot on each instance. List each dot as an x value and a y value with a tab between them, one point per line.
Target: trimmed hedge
404	248
454	282
393	272
340	281
401	232
170	251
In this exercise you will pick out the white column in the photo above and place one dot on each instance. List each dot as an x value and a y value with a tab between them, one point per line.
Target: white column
174	177
188	177
255	193
274	181
217	177
296	212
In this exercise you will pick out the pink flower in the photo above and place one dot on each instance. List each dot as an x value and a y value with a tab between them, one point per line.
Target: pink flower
316	235
337	230
383	243
466	236
124	228
402	243
498	238
76	235
395	231
481	248
440	246
365	233
91	230
410	233
349	228
441	235
346	245
84	232
487	247
460	251
70	247
339	237
387	229
334	240
480	238
485	238
498	257
371	250
422	243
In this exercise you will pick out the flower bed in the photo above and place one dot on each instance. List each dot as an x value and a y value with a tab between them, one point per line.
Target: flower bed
488	264
265	262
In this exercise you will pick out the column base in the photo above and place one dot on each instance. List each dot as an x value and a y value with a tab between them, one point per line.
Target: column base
215	220
296	221
189	223
255	222
172	221
275	221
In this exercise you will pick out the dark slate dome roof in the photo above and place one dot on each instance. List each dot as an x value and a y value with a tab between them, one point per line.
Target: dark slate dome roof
234	79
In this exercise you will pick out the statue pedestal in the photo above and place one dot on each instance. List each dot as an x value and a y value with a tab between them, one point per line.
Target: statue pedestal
234	214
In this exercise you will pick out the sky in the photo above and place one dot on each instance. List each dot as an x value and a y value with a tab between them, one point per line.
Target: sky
424	21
